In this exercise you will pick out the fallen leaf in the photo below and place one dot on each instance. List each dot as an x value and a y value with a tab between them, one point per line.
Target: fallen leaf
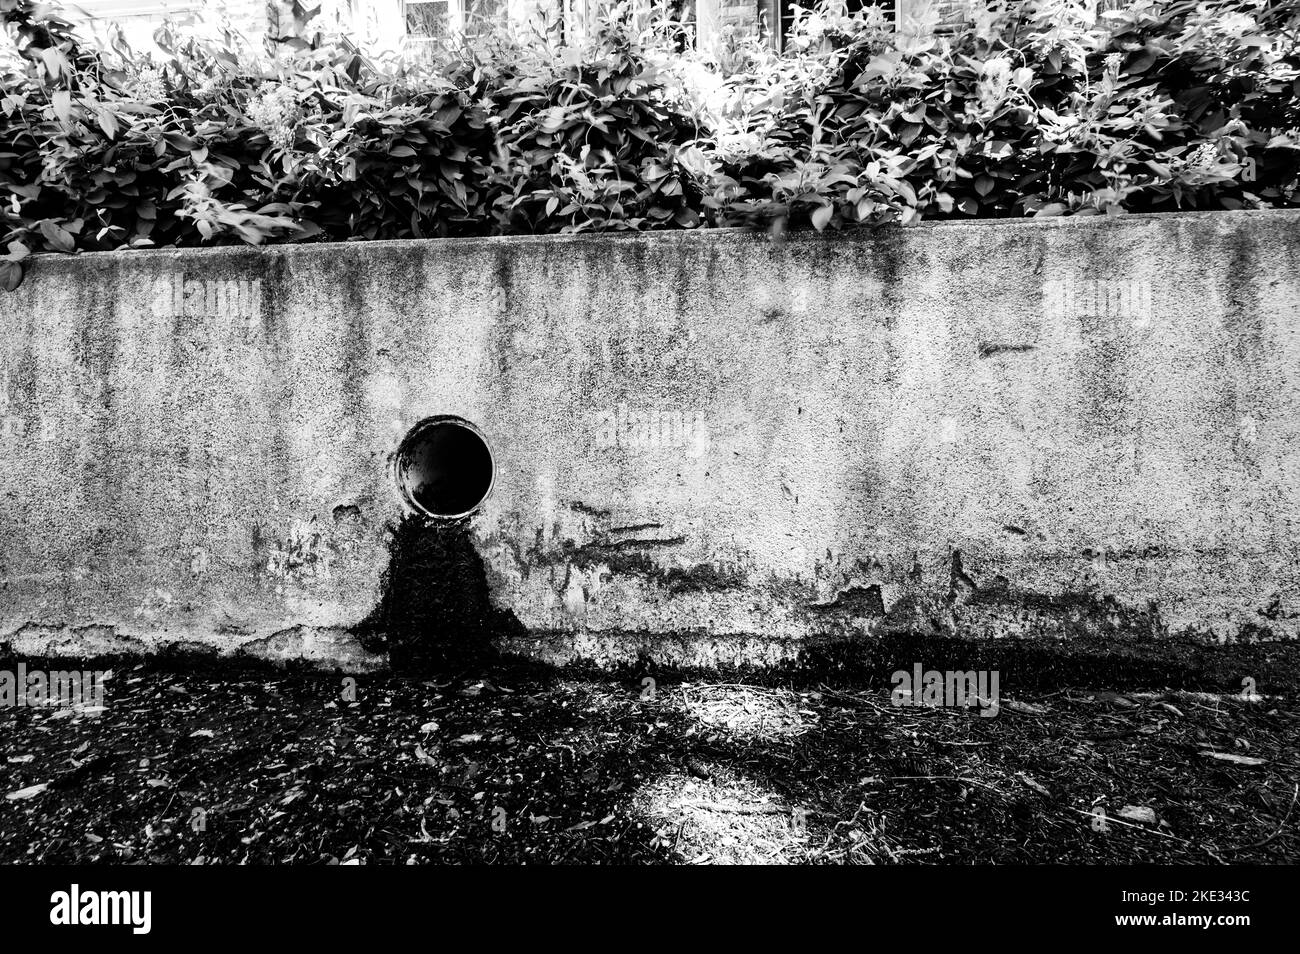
1024	707
1034	784
1234	759
28	792
1114	698
1136	813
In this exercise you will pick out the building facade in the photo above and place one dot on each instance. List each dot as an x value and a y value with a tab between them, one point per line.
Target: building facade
379	25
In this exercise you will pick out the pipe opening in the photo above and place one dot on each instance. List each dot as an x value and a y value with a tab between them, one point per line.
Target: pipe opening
444	467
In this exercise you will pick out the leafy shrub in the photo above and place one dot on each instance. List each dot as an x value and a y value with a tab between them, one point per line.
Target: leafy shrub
1028	107
1035	108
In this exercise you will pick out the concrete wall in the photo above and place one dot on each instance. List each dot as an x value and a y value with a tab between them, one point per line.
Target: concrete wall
1049	427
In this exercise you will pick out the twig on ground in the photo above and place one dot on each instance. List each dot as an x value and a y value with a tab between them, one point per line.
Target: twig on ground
1285	819
733	809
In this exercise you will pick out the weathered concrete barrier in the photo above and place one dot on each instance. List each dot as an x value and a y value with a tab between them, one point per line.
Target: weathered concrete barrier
708	447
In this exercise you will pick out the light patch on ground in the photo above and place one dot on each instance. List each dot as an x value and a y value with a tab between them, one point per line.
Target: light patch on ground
722	820
749	712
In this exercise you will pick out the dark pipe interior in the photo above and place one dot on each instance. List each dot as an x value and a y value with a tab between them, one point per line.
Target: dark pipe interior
444	468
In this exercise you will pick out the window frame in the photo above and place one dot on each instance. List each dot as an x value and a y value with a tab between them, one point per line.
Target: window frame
455	19
774	12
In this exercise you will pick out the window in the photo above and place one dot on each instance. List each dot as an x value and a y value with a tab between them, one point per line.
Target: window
433	19
437	19
581	18
851	6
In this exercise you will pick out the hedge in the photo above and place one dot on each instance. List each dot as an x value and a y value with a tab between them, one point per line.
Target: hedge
1031	107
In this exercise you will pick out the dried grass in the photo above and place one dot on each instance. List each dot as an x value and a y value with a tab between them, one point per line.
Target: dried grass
748	712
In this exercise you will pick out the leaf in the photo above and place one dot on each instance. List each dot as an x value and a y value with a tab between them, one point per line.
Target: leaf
821	217
58	237
11	275
62	102
107	122
1033	783
1027	708
55	62
28	792
908	133
1115	699
29	191
1141	62
179	142
1136	813
552	120
1234	759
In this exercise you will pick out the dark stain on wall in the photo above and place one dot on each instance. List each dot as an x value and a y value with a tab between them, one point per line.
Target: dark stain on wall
358	362
96	353
988	349
273	342
632	557
855	600
435	611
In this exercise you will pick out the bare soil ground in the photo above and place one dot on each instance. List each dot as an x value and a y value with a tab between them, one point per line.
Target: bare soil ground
515	763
